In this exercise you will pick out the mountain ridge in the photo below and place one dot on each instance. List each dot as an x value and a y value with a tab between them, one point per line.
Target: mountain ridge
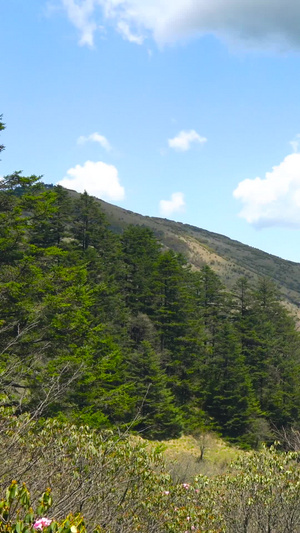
229	258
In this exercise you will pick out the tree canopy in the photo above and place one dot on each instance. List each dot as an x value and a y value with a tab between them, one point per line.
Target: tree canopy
152	342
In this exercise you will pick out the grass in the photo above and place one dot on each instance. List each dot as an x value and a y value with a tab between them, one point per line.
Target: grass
229	258
189	456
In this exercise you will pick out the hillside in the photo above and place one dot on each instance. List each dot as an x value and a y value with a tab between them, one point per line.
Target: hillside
147	340
230	259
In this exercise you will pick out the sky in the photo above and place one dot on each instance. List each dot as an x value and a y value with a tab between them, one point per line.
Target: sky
182	109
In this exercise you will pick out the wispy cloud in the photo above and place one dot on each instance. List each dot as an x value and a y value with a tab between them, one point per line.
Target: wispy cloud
275	199
97	138
295	142
184	140
125	31
81	15
253	22
97	178
174	205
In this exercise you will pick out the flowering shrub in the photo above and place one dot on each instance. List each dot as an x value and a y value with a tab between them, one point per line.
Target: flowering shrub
17	515
41	523
120	485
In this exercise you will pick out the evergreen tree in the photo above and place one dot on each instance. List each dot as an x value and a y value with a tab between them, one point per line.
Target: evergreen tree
102	397
140	252
275	361
270	345
50	221
2	127
89	224
156	415
230	399
212	302
144	334
168	299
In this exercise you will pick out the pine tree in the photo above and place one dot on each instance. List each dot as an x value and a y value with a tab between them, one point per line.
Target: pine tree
168	299
89	223
275	359
140	253
156	415
270	345
2	127
230	399
212	303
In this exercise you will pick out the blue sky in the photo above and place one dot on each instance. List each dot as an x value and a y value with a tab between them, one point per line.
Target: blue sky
185	109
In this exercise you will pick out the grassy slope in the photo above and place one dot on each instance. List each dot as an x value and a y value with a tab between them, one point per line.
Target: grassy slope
228	258
182	456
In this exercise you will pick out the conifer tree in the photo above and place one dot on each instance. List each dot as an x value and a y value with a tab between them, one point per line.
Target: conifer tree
168	299
89	224
140	252
230	399
213	302
2	127
51	221
275	360
157	416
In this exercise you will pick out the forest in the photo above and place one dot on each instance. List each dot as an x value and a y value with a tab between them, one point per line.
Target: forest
148	341
106	337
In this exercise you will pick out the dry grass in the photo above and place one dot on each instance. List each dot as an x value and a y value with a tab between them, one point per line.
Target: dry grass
230	259
189	456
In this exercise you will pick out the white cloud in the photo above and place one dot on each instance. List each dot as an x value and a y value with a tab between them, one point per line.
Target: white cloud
295	143
125	31
97	178
275	199
255	22
184	139
95	137
81	15
175	205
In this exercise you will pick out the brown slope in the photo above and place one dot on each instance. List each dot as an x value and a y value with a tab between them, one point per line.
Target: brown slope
230	259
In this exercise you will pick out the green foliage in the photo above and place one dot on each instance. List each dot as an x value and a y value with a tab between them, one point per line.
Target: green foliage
88	225
230	398
18	516
114	481
2	127
140	252
157	415
145	337
120	484
102	335
262	493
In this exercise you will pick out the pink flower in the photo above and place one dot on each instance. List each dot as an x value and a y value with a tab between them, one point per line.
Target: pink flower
186	485
41	523
166	492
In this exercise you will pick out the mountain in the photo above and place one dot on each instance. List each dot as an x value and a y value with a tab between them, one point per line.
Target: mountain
148	339
230	259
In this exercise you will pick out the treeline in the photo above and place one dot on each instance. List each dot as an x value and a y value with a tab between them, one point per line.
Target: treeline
114	330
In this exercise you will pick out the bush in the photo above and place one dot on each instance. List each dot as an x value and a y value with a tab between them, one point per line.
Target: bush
119	485
18	516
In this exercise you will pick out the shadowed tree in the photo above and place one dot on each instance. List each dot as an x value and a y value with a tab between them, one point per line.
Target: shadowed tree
158	417
230	398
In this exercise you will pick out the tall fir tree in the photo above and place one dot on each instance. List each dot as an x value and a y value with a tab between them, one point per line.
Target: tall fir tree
140	252
229	398
156	414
